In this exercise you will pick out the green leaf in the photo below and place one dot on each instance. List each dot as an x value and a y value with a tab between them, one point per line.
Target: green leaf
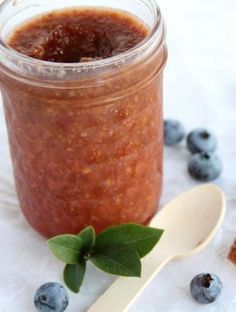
74	275
117	259
139	237
66	248
88	237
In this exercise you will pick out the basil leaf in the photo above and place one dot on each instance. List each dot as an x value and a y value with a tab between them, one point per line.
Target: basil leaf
66	248
118	260
139	237
74	275
88	237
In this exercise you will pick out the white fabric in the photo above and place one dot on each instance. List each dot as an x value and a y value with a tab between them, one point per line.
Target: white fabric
200	90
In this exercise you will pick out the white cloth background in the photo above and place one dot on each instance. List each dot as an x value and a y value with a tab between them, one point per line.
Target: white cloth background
200	90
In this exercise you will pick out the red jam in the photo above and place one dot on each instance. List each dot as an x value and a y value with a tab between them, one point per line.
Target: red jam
85	155
70	36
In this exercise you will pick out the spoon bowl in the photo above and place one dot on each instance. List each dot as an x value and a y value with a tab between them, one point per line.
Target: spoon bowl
189	221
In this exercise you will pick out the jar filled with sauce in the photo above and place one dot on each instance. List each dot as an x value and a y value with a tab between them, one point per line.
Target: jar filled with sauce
81	83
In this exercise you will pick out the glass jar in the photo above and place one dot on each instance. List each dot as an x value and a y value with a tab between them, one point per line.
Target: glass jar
86	139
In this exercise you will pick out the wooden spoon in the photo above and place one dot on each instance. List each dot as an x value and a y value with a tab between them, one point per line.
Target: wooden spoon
190	222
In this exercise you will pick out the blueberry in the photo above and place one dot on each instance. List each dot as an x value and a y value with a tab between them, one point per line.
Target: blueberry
173	132
201	140
206	288
51	297
205	167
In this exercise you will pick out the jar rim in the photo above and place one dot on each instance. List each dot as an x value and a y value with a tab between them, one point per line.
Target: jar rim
81	66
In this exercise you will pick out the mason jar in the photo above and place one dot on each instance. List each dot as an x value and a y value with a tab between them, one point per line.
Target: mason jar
86	139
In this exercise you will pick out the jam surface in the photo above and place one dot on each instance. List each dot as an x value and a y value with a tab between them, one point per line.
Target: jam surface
86	152
78	35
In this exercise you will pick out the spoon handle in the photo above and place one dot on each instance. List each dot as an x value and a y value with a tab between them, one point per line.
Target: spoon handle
123	292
